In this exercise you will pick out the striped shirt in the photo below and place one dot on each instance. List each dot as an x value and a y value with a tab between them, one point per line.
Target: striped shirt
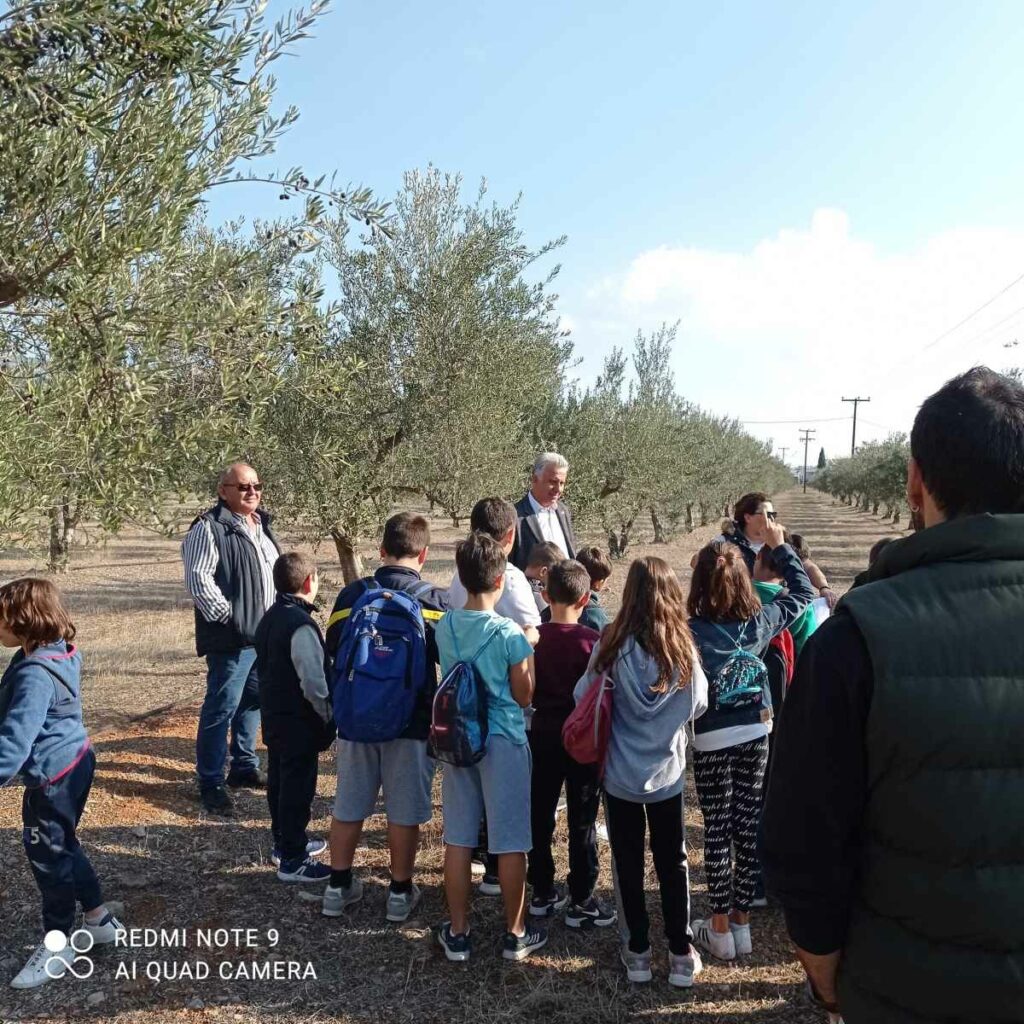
199	553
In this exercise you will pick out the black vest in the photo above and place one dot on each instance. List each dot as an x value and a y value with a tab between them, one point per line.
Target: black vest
288	718
240	580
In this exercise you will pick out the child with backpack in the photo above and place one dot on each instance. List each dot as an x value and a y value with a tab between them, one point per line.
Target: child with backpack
380	636
296	715
560	659
487	659
657	687
599	568
43	740
732	629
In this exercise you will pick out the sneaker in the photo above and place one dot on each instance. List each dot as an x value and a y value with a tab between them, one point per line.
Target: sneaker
519	947
217	800
305	870
741	938
336	901
42	966
683	969
477	866
592	914
314	848
456	947
489	886
545	906
104	931
722	947
254	778
760	899
401	904
638	965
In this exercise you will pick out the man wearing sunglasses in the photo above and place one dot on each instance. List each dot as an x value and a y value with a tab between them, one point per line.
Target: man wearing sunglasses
229	554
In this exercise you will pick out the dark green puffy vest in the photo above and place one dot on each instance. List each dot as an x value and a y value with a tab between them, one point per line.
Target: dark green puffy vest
937	928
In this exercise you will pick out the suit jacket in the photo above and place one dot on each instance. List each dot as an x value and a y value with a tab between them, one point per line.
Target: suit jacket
528	531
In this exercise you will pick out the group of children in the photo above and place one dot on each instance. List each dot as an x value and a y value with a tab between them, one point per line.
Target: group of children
680	666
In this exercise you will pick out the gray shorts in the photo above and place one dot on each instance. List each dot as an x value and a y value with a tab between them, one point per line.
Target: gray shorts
400	767
499	785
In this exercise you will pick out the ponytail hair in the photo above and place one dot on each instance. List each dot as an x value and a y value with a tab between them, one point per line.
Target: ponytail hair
721	589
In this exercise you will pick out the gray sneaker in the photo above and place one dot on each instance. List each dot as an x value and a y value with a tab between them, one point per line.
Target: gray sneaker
336	901
402	904
638	965
683	969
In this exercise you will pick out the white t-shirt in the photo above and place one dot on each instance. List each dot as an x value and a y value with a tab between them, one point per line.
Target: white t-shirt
516	602
550	527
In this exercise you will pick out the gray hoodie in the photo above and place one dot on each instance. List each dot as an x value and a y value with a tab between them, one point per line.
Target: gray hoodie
647	749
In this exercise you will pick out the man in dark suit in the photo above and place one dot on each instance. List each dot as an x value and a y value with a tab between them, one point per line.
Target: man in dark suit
541	515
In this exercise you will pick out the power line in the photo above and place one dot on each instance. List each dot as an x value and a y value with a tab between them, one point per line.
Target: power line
971	316
803	419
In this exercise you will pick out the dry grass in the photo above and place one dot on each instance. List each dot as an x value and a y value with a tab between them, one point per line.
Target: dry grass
174	868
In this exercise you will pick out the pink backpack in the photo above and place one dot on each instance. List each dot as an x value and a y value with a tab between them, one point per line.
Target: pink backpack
588	729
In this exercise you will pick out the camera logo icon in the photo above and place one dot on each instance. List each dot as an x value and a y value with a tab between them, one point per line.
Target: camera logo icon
68	954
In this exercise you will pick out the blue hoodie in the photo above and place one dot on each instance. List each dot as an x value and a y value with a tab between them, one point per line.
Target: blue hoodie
647	749
41	730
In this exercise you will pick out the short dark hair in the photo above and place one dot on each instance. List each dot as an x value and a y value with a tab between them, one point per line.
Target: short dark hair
567	582
798	544
747	506
493	516
480	561
33	611
406	534
876	549
545	554
291	570
596	562
968	442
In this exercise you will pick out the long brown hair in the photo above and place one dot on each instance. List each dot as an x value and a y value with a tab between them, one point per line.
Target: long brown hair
33	611
720	589
654	615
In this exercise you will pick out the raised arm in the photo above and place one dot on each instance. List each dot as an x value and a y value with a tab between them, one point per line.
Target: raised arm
787	607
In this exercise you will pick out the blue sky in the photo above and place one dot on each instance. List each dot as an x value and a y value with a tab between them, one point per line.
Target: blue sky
816	190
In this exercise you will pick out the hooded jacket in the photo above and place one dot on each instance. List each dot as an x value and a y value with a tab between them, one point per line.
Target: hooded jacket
41	730
647	750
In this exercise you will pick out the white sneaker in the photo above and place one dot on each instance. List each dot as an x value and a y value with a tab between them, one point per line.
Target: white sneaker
722	947
684	968
336	901
35	972
638	965
401	904
741	937
104	931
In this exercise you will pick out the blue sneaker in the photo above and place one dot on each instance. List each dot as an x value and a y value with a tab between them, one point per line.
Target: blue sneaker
303	870
519	947
314	848
456	947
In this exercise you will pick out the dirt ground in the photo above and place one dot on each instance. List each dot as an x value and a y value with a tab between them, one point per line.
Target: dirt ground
173	868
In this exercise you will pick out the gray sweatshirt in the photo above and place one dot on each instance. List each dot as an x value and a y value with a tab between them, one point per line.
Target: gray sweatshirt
647	749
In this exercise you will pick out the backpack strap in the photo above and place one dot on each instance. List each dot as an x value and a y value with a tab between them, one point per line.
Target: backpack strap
479	650
728	636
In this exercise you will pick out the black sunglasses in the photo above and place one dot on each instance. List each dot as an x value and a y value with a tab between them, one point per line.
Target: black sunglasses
771	515
246	488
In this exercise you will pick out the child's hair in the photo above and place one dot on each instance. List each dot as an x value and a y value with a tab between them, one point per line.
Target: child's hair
766	556
720	589
493	516
653	614
798	544
406	535
291	570
596	563
568	581
545	555
480	561
876	549
33	611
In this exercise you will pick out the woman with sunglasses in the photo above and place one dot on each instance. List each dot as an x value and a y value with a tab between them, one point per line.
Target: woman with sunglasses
750	519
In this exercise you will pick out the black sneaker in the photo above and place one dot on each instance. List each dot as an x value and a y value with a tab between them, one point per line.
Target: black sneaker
519	947
252	779
456	947
592	914
489	886
760	899
217	800
545	906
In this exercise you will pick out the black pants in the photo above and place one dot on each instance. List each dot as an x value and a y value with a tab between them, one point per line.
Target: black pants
729	786
291	786
62	871
552	767
627	826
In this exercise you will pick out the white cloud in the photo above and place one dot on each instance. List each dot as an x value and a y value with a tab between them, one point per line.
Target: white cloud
786	329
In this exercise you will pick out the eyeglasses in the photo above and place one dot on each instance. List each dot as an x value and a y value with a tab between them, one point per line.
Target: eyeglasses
246	488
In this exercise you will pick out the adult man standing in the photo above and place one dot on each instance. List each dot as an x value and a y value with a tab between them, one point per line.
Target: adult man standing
893	830
542	516
229	554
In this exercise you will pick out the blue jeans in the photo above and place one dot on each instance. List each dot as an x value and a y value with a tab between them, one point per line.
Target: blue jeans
232	702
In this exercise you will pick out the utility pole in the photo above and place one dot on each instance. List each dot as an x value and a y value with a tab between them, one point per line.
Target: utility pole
856	402
784	450
807	437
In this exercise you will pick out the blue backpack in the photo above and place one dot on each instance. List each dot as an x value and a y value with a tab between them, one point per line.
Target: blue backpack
742	682
380	666
458	721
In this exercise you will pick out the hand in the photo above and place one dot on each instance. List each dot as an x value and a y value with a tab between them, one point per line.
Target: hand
830	597
774	535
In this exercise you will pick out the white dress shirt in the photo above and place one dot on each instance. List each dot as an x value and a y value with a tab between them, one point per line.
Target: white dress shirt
516	601
550	526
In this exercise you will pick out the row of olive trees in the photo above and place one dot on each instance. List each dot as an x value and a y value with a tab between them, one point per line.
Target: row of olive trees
873	480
